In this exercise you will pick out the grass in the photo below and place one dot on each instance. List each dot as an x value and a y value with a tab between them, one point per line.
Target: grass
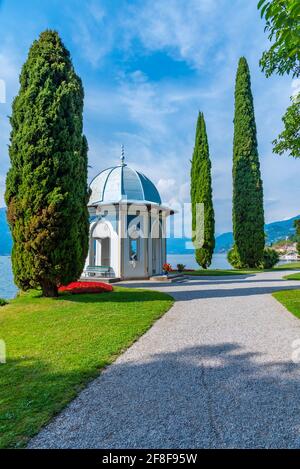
290	299
292	277
291	266
216	272
221	272
55	346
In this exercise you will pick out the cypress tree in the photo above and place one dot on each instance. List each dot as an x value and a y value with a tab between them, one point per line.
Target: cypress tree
46	186
201	192
248	211
297	226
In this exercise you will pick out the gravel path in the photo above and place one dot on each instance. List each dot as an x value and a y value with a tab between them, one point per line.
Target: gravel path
214	372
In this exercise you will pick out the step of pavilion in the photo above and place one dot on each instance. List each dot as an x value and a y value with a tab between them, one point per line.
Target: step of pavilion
100	279
168	278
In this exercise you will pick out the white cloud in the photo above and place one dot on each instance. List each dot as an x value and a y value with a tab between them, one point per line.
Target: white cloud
183	30
166	187
9	68
145	102
156	118
92	31
2	190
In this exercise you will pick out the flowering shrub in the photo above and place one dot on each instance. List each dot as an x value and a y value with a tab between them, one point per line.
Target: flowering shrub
86	287
167	267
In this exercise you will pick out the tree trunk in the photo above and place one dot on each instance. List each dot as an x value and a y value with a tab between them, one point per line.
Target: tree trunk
49	289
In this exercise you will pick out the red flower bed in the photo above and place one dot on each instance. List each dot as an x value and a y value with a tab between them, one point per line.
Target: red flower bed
86	287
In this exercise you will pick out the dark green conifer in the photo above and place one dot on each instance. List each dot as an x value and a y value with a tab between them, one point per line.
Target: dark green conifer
201	193
248	210
46	187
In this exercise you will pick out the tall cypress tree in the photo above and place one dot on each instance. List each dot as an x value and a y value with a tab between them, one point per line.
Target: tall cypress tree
201	192
248	211
297	226
46	187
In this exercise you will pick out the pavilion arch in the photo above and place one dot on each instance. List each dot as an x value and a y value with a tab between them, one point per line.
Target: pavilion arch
157	242
101	233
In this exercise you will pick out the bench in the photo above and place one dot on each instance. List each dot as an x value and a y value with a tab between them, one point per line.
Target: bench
98	271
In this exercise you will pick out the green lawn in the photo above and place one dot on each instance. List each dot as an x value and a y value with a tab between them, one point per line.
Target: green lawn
292	277
218	272
291	266
55	346
221	272
214	272
290	299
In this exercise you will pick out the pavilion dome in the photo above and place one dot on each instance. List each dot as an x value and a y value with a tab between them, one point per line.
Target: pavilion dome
122	183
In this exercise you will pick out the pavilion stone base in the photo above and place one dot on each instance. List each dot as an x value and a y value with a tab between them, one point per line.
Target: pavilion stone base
100	279
167	278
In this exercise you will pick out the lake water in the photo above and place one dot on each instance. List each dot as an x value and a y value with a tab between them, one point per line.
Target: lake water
7	287
219	261
9	290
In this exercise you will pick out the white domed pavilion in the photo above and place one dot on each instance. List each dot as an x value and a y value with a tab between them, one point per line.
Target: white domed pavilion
128	225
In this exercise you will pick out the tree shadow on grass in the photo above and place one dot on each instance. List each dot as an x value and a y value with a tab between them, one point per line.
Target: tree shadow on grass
198	282
31	393
207	396
187	292
227	293
118	296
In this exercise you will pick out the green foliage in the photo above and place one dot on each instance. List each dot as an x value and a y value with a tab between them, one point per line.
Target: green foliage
248	211
289	139
270	258
3	302
292	277
201	193
290	299
297	226
180	267
283	25
234	258
46	187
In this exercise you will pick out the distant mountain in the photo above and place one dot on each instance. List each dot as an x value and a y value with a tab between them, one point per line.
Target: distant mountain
224	242
274	231
5	236
280	229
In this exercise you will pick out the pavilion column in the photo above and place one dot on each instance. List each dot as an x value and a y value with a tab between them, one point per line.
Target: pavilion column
122	231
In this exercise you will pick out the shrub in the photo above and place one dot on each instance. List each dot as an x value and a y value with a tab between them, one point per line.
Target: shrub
180	267
3	302
234	258
86	287
270	258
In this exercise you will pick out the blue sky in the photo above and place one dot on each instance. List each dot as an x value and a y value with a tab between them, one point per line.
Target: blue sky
148	67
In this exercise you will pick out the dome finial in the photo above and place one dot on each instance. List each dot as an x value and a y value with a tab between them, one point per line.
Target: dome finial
122	156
